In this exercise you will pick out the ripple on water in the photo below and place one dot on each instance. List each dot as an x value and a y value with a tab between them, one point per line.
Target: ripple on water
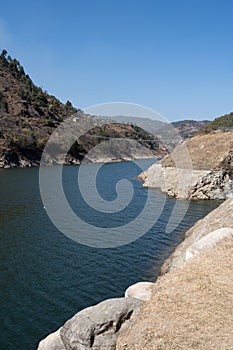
45	277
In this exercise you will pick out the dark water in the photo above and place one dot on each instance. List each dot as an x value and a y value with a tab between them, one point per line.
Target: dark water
45	277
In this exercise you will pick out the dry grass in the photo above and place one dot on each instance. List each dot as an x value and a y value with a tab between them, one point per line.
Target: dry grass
206	151
191	308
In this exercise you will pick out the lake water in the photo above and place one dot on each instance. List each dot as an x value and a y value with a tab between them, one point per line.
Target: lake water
45	277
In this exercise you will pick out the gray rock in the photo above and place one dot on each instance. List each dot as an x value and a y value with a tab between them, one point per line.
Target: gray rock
175	182
216	184
208	241
140	290
97	327
52	342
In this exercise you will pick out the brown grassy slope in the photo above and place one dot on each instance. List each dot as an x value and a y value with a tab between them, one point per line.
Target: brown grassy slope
191	307
206	151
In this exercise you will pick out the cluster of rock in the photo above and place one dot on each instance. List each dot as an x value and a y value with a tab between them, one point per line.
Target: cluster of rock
216	184
97	327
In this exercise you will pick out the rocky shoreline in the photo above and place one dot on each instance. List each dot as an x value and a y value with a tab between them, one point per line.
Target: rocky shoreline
100	326
30	164
192	301
189	184
116	323
97	327
12	160
204	169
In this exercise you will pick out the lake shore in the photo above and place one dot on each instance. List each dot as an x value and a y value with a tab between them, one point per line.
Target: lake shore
104	160
191	303
208	238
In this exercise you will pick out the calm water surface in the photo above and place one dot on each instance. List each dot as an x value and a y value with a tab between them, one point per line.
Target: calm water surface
45	277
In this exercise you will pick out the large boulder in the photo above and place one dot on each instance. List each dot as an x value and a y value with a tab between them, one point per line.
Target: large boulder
97	327
140	290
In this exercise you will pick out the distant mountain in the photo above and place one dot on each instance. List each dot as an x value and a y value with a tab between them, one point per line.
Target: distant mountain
29	115
150	125
184	128
188	128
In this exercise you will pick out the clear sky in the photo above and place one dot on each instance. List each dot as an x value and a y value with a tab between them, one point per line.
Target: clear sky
175	56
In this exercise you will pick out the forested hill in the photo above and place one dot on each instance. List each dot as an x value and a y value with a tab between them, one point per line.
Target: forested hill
29	115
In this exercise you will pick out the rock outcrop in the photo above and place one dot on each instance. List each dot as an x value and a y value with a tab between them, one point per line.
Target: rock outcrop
174	182
95	327
215	184
206	173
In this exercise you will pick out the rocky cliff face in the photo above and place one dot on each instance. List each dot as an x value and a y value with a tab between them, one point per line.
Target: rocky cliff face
213	185
208	175
173	181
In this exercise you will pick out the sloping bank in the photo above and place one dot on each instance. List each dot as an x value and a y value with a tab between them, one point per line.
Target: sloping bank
211	176
189	307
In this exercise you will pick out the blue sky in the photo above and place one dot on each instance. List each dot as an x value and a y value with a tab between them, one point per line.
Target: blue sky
173	56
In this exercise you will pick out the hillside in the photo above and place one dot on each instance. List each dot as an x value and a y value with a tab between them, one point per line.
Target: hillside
29	115
205	151
224	122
